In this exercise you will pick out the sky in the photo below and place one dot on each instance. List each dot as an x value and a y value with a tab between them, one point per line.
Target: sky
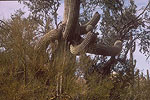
7	8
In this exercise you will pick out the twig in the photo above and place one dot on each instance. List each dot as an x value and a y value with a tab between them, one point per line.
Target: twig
143	10
128	24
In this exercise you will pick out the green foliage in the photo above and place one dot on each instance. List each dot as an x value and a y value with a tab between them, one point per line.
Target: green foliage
55	74
45	10
26	75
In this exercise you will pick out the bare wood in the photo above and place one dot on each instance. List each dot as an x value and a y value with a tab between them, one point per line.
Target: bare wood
72	21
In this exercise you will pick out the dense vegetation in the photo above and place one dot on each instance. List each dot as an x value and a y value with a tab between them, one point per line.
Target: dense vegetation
55	73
